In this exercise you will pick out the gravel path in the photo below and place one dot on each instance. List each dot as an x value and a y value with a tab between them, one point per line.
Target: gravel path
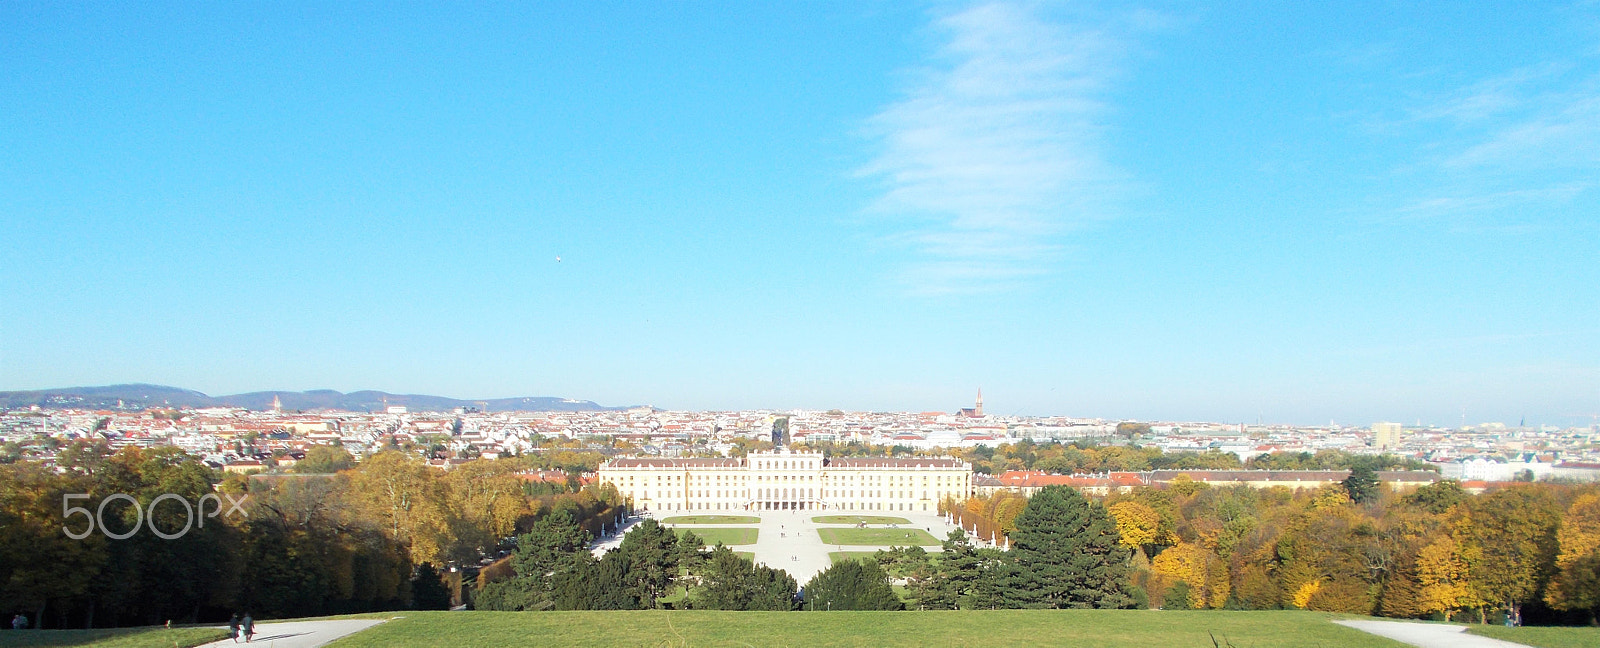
1428	635
788	540
299	634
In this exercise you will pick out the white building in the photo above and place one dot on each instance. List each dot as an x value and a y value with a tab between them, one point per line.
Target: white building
784	480
1478	468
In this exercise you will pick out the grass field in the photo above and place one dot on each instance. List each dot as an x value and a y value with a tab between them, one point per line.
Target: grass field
878	537
858	519
841	556
712	519
1543	637
727	536
1103	628
113	638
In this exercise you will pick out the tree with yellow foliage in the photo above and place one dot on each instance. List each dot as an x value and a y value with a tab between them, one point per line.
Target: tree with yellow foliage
1508	539
1442	573
1137	524
1199	568
1576	584
1330	497
1005	508
486	500
1303	593
407	498
1186	486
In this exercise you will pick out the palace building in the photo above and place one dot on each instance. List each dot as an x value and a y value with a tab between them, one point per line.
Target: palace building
785	480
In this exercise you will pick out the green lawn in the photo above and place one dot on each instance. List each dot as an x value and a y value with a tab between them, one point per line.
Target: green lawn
727	536
858	519
1104	628
1541	636
841	556
877	536
747	555
156	637
712	519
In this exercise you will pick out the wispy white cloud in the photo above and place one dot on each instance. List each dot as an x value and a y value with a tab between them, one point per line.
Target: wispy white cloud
1494	201
1494	96
1525	138
1563	131
996	149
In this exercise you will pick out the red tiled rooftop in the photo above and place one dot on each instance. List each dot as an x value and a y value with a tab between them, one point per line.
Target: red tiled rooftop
895	462
663	462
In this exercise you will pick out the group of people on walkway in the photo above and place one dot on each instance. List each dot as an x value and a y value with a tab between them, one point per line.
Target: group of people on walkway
238	626
19	622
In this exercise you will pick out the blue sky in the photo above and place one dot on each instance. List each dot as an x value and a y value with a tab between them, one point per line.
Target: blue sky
1361	212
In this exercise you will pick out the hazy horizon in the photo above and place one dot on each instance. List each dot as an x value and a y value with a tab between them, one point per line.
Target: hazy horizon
951	410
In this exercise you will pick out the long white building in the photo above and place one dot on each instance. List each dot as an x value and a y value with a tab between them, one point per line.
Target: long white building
784	480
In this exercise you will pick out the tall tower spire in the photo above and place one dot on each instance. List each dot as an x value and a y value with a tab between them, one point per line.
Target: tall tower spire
979	408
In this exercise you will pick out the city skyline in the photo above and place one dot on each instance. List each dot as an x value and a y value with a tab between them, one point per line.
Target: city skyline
1362	213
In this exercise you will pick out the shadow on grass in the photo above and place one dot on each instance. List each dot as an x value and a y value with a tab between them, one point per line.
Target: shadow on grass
112	637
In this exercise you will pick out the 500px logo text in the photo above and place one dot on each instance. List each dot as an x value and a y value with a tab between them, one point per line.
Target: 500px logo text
98	516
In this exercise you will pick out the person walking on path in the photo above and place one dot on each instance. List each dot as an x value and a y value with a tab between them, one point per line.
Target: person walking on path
19	622
233	628
249	627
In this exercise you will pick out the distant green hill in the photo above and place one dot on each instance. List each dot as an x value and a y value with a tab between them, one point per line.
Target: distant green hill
139	396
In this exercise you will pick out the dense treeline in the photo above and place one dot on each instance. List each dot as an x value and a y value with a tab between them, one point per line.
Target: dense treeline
1066	553
366	536
377	534
96	580
1529	551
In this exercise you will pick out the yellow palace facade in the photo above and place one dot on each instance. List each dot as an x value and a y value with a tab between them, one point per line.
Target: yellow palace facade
783	480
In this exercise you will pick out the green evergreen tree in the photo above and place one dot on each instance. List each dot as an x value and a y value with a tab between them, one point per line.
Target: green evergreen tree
1065	554
542	547
553	548
995	574
427	589
1362	484
772	590
583	583
851	585
732	582
653	554
690	548
954	577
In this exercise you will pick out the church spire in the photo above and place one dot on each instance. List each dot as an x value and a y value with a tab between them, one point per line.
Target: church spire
979	408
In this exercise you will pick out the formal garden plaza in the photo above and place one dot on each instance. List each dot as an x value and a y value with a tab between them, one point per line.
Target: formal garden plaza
797	511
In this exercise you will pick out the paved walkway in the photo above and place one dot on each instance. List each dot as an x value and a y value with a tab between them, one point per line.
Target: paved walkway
299	634
613	538
1428	635
788	540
